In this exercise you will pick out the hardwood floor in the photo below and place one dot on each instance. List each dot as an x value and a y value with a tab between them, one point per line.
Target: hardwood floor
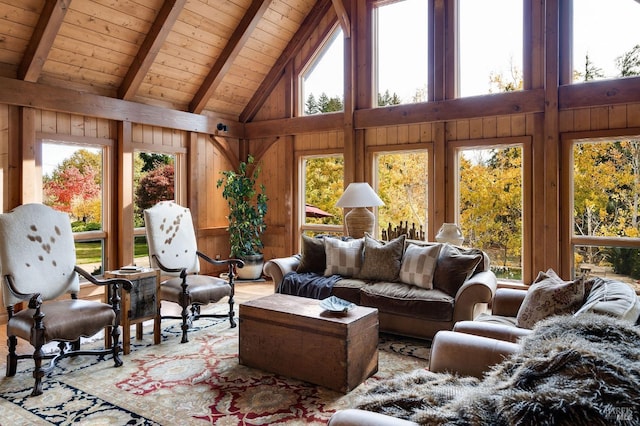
244	291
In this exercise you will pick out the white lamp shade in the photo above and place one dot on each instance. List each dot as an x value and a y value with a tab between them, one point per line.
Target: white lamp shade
359	194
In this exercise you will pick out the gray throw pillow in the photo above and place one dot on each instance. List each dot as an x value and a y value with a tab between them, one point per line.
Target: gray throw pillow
313	257
381	261
454	268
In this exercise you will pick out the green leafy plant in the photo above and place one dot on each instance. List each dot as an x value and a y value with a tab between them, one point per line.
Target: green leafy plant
247	208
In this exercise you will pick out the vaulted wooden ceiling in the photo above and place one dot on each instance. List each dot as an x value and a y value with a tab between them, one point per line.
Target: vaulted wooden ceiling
201	56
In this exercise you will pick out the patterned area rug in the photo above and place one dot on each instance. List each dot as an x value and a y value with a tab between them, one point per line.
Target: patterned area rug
197	383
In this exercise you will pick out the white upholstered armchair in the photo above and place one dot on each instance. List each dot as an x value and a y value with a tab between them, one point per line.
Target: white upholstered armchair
173	249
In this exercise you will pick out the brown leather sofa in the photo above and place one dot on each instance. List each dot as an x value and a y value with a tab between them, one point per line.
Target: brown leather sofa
405	309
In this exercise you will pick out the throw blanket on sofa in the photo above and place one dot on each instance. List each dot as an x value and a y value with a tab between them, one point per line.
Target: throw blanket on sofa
571	371
307	284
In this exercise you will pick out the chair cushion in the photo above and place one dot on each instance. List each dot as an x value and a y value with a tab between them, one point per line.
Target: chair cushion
64	320
381	261
203	289
549	295
408	300
611	297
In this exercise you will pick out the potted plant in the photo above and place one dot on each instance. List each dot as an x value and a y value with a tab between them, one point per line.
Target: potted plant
247	208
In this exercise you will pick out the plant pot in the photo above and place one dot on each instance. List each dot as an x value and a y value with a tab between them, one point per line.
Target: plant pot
252	267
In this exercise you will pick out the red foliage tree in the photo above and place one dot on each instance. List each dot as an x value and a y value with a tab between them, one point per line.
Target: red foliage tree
70	185
157	185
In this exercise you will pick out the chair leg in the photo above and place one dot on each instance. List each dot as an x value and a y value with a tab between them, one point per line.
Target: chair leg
38	373
232	314
185	324
115	348
12	357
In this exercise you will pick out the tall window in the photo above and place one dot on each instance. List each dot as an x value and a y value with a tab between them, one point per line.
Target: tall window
605	196
401	40
490	46
323	80
72	182
154	181
322	186
490	205
402	183
606	41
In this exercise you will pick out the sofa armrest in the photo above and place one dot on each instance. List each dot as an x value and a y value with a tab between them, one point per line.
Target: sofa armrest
467	354
507	301
508	333
353	417
479	289
278	268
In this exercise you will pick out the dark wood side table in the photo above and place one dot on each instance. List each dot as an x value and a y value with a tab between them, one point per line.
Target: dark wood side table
142	303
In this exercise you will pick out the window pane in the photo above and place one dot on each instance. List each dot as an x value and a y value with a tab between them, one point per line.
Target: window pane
153	181
323	81
490	206
402	184
402	40
491	39
605	39
323	186
72	183
617	263
606	187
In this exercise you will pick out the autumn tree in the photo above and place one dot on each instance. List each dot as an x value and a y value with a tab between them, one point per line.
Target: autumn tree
69	187
324	182
155	186
403	187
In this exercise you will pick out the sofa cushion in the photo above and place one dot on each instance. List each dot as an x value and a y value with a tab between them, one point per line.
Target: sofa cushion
611	297
348	289
454	267
381	261
419	264
343	257
313	255
549	295
408	300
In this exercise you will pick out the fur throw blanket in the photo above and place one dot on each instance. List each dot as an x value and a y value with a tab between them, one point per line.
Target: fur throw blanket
571	371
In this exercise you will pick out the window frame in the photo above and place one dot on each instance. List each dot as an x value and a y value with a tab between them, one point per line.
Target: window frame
373	152
108	193
568	240
453	208
300	189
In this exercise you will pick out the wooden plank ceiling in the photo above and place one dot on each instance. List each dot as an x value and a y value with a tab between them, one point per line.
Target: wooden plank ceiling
218	56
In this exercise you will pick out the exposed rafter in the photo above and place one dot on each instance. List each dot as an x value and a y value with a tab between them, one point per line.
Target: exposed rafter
343	16
313	19
229	53
42	39
156	36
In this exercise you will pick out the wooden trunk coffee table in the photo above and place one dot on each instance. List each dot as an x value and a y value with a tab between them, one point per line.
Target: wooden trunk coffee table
293	336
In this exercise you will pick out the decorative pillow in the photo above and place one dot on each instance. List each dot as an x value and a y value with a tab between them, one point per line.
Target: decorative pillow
419	264
381	261
313	256
455	267
343	257
549	295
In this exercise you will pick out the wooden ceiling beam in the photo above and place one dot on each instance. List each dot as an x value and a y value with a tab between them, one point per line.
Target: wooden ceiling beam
239	37
42	39
167	16
343	16
230	52
313	19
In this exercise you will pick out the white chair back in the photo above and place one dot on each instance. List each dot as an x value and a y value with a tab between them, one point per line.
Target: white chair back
37	250
171	236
